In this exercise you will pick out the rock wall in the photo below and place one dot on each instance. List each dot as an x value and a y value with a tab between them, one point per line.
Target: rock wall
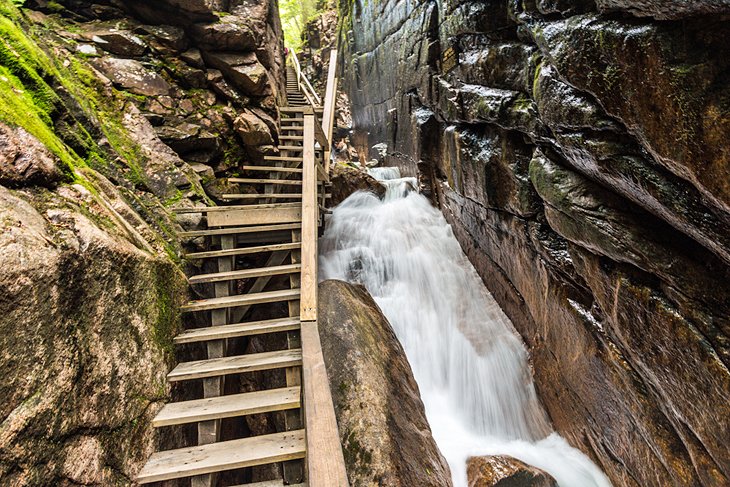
578	150
111	115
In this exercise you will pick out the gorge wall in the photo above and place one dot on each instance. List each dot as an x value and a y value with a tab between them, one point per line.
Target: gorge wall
579	150
112	114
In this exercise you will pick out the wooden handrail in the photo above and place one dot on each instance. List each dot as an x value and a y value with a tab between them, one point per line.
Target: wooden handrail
325	461
303	83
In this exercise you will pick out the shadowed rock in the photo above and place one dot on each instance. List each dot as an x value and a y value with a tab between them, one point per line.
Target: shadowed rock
24	161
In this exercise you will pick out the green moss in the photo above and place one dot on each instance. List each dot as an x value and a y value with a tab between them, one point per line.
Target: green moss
165	307
55	6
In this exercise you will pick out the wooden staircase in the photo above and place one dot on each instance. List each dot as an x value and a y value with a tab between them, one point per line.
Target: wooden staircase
277	227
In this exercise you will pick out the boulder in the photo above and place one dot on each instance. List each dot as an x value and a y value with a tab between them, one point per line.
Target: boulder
133	76
193	58
252	130
385	436
120	43
347	179
24	161
187	137
168	36
229	33
505	471
244	71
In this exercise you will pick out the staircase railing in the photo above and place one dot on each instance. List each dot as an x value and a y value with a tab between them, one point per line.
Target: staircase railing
325	463
303	83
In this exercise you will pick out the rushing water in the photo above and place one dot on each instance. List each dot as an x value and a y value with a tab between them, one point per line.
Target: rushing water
470	364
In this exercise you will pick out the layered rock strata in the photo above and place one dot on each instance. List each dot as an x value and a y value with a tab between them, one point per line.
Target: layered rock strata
577	148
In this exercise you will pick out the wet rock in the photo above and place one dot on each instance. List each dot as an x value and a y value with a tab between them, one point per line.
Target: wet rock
133	76
252	130
385	436
505	471
244	71
347	180
665	9
187	137
24	161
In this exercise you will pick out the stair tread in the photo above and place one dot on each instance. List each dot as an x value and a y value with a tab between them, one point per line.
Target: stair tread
237	330
224	455
285	158
228	406
237	230
244	250
293	182
275	168
235	196
241	300
238	364
297	148
245	273
214	209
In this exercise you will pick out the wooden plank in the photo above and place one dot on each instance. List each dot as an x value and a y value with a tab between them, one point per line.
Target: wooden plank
295	148
235	231
217	209
297	109
325	461
237	330
238	364
265	195
291	182
240	300
310	216
330	96
256	216
228	406
243	251
291	137
245	273
285	159
226	455
276	168
297	128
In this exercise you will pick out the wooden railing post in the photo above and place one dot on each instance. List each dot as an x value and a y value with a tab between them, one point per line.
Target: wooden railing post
310	210
330	101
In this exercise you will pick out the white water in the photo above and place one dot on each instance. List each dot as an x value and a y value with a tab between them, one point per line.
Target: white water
470	364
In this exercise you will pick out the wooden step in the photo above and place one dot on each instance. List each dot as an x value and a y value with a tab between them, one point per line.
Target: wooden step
241	300
221	332
261	195
291	182
298	148
275	168
239	230
257	215
239	364
224	455
298	128
296	109
285	159
291	137
246	273
226	208
244	250
228	406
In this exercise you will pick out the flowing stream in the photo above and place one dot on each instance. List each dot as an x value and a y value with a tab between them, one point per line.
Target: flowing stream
469	362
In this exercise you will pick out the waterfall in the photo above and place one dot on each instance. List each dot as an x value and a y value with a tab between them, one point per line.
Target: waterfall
469	362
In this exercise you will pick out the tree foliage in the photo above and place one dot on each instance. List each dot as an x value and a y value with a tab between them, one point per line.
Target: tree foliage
294	16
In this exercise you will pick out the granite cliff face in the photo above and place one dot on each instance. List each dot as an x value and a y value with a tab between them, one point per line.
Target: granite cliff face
579	151
111	114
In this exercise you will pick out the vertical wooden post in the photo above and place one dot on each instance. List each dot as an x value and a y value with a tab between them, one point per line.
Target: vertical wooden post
330	100
310	209
209	431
